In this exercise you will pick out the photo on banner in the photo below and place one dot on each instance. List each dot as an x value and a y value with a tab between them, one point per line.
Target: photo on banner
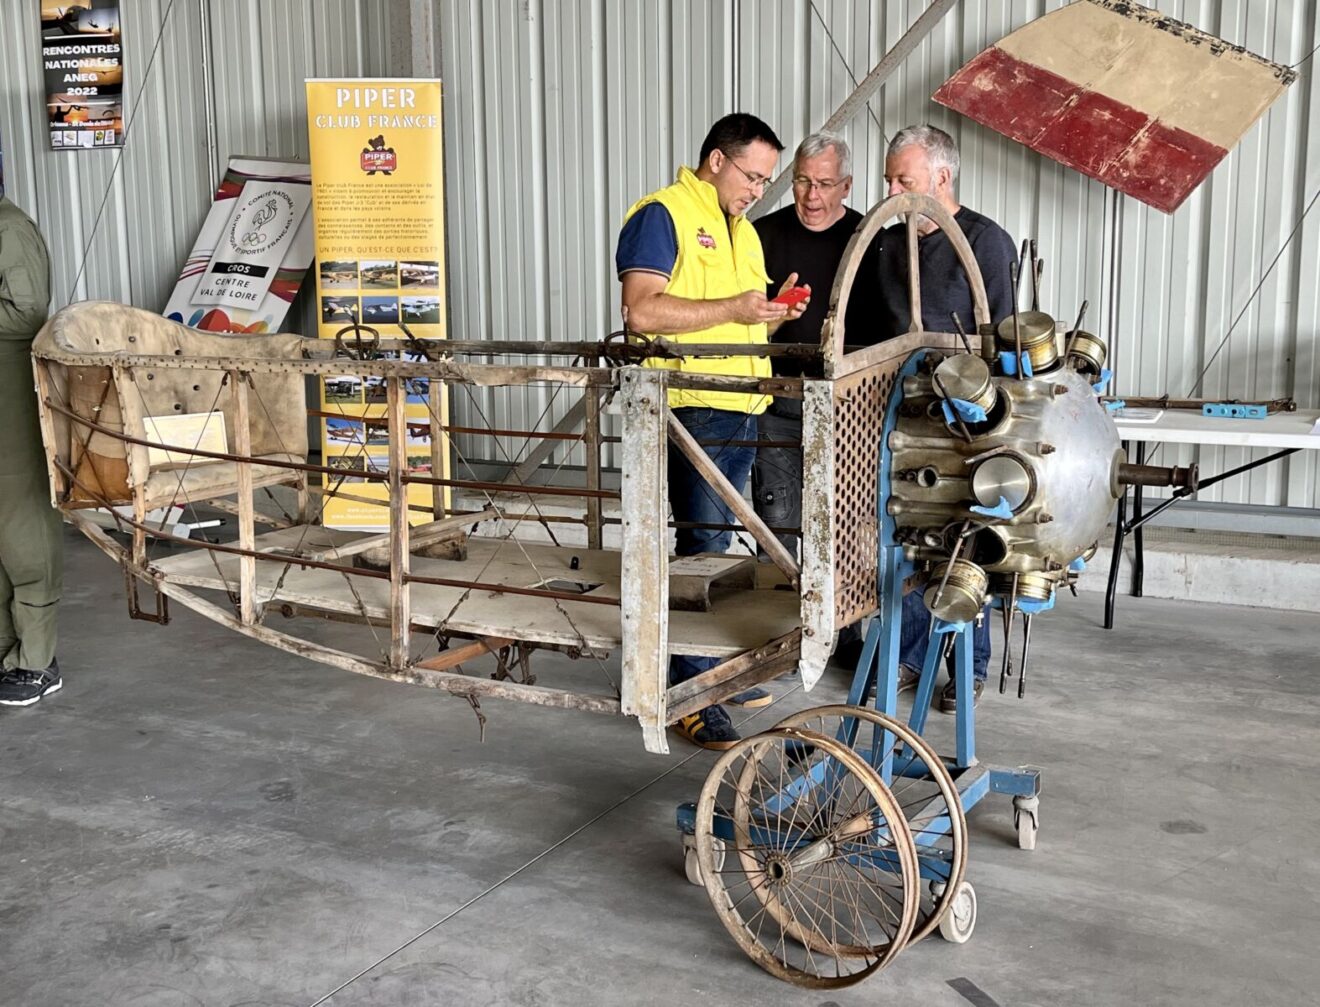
252	253
82	62
377	153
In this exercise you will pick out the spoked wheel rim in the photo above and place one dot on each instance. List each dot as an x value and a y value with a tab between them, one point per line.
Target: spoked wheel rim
819	884
923	803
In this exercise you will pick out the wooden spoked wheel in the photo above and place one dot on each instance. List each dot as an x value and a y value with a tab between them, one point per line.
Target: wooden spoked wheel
807	858
923	787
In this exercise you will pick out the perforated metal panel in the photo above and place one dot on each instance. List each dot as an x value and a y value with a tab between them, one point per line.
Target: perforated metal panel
859	402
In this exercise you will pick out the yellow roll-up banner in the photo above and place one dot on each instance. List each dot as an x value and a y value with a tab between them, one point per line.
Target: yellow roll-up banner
377	152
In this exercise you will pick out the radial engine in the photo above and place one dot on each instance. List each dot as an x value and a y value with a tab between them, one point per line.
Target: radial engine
1005	467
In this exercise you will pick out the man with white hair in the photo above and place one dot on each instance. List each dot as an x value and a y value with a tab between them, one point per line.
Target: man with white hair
804	244
925	159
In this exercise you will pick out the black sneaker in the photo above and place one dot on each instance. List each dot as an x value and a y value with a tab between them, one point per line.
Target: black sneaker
711	728
949	697
23	688
753	697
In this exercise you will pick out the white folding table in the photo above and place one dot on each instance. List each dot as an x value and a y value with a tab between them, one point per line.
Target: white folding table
1286	432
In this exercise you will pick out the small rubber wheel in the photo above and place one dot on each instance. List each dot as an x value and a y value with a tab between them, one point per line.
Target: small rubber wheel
1026	820
692	868
692	859
958	923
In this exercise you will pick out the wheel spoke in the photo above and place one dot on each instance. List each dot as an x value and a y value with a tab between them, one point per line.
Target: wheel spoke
801	805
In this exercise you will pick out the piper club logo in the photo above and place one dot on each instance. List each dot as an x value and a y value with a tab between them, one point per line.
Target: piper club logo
376	157
704	239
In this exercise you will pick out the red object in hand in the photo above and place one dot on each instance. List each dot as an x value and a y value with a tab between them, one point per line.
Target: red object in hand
792	295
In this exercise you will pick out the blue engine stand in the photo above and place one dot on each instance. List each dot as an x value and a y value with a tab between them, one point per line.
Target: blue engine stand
879	664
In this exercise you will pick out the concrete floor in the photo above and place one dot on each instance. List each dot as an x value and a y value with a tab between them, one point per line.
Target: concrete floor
197	819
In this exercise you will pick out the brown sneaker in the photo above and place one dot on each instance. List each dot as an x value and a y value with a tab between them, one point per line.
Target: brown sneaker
949	697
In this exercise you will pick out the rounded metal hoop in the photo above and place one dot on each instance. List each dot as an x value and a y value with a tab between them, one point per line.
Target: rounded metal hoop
914	206
802	819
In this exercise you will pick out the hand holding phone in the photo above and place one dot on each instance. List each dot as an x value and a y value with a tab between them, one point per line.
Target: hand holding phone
792	296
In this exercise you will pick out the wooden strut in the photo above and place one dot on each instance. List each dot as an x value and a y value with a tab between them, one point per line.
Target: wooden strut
734	675
733	498
485	375
400	557
247	566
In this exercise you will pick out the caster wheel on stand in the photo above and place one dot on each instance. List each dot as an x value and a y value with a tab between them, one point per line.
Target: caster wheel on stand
1026	819
692	859
957	924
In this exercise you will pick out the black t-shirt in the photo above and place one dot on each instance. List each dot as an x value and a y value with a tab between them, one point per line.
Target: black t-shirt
878	308
814	256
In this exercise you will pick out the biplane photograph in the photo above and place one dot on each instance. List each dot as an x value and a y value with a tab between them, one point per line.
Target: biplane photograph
854	538
63	19
86	113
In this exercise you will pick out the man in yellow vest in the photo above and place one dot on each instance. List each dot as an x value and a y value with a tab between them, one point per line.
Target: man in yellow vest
693	271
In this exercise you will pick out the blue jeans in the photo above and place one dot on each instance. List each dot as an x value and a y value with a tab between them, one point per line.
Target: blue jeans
915	635
692	499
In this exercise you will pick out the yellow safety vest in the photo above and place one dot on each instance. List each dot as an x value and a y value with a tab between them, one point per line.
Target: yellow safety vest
717	257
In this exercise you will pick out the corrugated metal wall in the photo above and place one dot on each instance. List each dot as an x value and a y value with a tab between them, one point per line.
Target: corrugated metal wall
150	197
560	114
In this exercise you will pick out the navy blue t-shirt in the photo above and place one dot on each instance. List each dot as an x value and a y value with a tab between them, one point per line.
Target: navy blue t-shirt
648	241
880	308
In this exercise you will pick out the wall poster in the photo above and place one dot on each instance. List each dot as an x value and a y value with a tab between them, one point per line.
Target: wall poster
377	152
82	59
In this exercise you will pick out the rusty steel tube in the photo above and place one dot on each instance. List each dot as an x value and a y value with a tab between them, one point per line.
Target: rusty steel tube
1158	475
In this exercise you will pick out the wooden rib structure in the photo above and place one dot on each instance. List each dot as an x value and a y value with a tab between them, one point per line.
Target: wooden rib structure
518	563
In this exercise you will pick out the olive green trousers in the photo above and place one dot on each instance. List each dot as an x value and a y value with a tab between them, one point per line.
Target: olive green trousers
31	536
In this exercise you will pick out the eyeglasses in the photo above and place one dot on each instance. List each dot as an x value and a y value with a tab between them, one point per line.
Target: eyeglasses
755	181
807	184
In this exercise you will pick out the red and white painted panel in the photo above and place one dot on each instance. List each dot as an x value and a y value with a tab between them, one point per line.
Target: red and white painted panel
1124	94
